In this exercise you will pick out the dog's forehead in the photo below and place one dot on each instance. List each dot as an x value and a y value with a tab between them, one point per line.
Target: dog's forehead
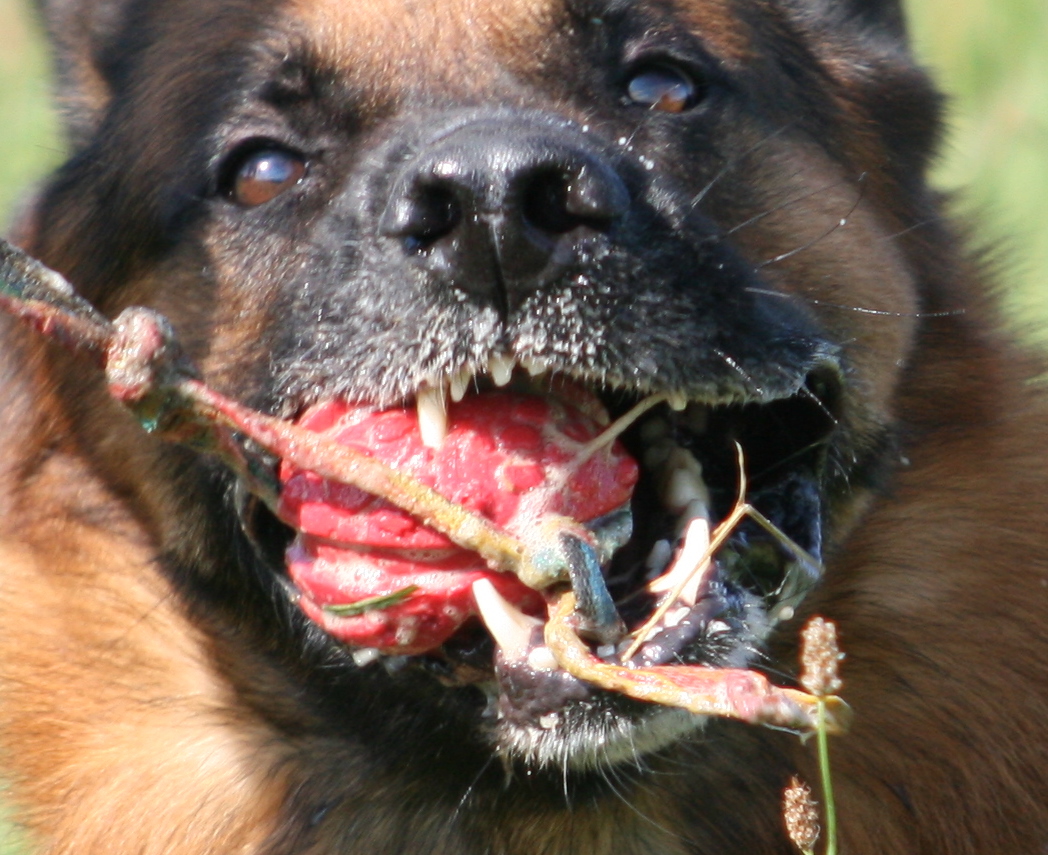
466	42
400	40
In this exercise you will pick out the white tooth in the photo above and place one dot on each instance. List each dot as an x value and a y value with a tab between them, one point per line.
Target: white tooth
684	459
365	656
393	664
677	401
659	557
658	453
697	508
549	721
688	564
684	483
716	627
542	659
501	369
458	385
606	651
653	430
675	616
508	625
432	416
696	418
535	367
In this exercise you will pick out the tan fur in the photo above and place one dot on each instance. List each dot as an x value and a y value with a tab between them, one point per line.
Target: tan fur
130	725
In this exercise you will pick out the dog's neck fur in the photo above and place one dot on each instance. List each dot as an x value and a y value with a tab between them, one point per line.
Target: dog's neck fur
249	791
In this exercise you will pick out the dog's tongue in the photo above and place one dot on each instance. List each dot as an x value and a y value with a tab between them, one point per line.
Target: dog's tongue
373	576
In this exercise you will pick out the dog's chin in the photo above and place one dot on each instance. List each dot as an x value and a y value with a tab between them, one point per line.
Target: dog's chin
689	451
545	717
588	737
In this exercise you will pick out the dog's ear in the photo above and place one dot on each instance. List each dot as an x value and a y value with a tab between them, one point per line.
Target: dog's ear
886	14
81	34
874	16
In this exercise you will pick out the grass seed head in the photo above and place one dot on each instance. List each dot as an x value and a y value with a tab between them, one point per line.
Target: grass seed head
801	815
820	657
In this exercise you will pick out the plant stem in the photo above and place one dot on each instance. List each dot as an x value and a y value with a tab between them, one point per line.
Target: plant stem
829	810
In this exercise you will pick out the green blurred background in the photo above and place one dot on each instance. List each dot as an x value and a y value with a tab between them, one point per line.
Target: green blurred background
991	56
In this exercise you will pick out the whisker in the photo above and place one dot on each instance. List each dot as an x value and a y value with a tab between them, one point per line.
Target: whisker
782	206
951	313
469	790
918	225
805	392
838	225
626	142
614	785
733	162
564	773
738	369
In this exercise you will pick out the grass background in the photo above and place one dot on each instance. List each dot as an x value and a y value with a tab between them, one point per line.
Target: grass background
991	56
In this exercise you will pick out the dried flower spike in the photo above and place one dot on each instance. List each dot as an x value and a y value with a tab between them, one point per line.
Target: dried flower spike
820	656
801	815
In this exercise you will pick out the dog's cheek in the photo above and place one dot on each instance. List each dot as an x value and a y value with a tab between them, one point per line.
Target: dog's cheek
832	250
220	295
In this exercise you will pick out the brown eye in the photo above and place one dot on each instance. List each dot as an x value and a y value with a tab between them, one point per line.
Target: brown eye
264	174
663	88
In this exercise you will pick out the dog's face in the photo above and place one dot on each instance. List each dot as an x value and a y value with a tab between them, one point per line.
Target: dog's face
373	201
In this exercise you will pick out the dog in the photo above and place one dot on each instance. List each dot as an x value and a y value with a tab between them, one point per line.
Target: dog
396	204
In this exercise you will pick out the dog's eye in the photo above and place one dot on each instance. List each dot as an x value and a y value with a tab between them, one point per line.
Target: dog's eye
662	87
263	174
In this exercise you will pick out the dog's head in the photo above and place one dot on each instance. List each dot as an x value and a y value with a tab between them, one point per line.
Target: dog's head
396	203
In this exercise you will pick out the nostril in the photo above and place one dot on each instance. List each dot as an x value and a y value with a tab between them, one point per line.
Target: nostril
557	202
429	213
544	203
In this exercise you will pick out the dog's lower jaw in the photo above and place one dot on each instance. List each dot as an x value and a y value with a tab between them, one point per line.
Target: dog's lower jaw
582	743
595	729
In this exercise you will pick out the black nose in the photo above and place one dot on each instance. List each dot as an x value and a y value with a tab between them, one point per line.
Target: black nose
497	208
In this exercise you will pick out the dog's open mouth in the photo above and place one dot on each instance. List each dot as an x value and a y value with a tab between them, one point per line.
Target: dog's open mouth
374	576
519	449
560	562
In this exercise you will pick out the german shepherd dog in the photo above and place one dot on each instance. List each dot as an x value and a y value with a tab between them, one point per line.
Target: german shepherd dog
393	205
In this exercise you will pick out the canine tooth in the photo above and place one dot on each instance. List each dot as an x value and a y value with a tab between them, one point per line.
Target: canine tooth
677	401
606	651
501	369
508	625
549	721
458	385
687	566
697	509
716	627
432	416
